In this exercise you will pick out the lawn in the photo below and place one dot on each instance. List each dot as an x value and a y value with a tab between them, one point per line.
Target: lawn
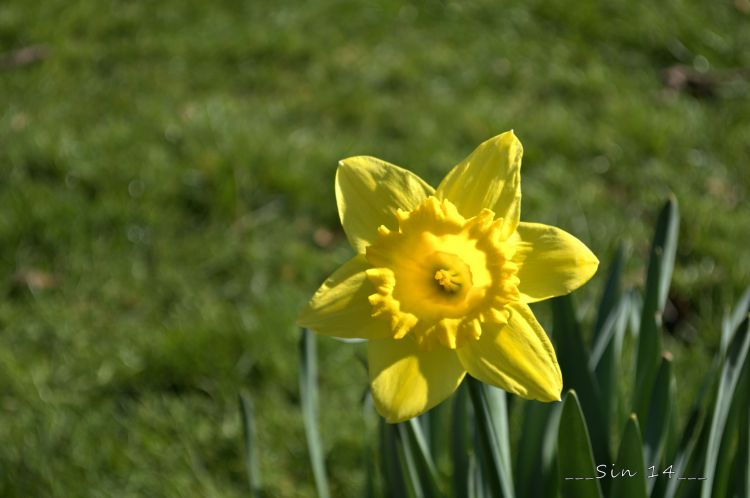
167	205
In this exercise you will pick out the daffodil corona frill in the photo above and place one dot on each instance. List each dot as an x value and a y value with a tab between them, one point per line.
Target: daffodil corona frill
442	279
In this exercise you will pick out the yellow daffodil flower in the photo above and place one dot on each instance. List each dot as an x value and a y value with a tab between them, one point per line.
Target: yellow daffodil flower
442	279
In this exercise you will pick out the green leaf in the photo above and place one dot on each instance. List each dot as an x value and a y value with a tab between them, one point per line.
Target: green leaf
661	258
694	435
630	457
732	321
252	462
477	488
308	386
491	418
535	461
535	418
460	443
394	479
742	460
412	434
659	416
606	357
409	464
659	275
611	294
574	363
733	365
574	456
371	419
732	462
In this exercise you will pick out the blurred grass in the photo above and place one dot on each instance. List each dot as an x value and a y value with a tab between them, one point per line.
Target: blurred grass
166	203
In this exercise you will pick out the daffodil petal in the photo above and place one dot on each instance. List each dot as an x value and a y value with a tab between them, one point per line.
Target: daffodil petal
489	178
369	192
551	262
340	307
407	381
517	357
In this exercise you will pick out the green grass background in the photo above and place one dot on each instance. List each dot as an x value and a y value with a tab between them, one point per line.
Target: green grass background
166	203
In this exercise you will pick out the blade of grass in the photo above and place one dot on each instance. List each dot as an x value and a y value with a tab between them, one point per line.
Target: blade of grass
574	456
308	385
630	457
491	418
252	462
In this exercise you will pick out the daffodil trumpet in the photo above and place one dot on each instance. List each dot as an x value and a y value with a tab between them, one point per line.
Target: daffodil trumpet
442	280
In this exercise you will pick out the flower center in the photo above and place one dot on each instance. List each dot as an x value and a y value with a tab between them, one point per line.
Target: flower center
440	276
448	281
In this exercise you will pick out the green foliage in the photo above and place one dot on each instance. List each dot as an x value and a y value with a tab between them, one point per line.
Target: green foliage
308	390
563	450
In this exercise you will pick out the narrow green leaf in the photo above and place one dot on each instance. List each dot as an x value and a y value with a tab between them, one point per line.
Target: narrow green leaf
736	355
742	462
460	443
491	418
536	465
308	386
659	416
661	258
409	464
606	357
535	418
574	363
477	487
413	435
252	462
574	456
733	320
659	275
370	418
394	481
649	349
694	435
434	425
611	293
732	462
630	460
498	403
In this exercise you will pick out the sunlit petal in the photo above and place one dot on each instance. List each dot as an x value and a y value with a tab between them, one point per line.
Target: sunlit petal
340	307
517	357
369	192
407	381
489	178
551	262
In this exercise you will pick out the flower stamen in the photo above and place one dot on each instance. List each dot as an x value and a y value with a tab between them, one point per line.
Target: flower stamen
448	281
